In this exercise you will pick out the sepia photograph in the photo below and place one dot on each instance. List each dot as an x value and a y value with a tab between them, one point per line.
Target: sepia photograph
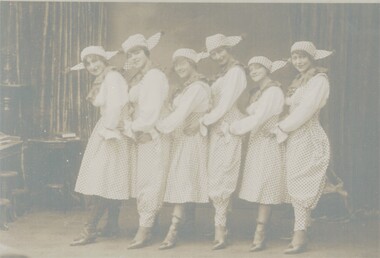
191	129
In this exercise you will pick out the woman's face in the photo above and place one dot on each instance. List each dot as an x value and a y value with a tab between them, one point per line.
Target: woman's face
220	56
183	67
137	58
257	72
301	61
94	64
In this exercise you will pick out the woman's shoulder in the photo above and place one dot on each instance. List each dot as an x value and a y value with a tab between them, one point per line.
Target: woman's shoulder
237	68
155	72
318	72
320	77
275	89
199	85
113	74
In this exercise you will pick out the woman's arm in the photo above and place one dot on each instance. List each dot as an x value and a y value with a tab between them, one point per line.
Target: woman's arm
270	103
116	96
314	100
189	101
151	99
236	82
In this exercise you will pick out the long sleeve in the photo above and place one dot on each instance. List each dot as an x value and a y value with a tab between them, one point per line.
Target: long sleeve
116	97
152	96
235	82
314	100
270	103
189	101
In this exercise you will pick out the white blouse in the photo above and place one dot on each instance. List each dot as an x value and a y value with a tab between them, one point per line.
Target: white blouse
270	103
149	95
227	89
312	100
111	98
193	99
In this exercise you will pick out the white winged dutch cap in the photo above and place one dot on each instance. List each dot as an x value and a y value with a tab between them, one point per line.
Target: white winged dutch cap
190	54
267	63
309	48
220	40
93	50
140	40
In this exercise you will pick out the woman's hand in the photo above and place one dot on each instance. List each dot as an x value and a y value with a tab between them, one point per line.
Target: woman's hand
130	109
219	131
192	128
109	134
280	135
143	137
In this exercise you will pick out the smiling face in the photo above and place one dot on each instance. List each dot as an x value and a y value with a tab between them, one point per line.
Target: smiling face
138	57
258	72
221	56
302	61
183	67
94	64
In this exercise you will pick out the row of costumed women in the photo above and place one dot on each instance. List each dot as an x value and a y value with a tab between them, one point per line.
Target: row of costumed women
188	148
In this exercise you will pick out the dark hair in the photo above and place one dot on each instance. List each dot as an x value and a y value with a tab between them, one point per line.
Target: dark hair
268	71
226	48
145	49
304	53
191	62
94	57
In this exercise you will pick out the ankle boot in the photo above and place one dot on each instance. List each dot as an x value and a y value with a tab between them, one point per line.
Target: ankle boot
221	234
259	240
89	234
298	244
111	229
172	235
143	236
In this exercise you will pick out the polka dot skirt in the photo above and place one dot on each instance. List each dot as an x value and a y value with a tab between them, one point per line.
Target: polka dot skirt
150	178
307	158
264	179
224	159
105	167
187	179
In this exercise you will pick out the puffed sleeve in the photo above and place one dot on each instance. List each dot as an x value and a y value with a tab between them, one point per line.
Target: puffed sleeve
116	98
236	82
270	103
152	96
191	98
313	100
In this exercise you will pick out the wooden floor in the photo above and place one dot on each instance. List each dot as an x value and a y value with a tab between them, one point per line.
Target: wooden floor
48	232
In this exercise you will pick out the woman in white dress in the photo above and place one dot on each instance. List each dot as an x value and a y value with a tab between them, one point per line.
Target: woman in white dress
263	178
224	148
307	146
148	97
104	173
187	179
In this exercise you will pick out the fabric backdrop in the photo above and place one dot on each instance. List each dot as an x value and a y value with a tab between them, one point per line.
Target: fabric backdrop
44	39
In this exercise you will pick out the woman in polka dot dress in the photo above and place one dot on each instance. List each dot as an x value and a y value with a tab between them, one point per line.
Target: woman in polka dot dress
308	149
148	97
104	173
187	179
224	148
263	178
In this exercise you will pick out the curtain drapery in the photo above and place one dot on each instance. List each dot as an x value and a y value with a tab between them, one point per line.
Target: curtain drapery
41	42
351	117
